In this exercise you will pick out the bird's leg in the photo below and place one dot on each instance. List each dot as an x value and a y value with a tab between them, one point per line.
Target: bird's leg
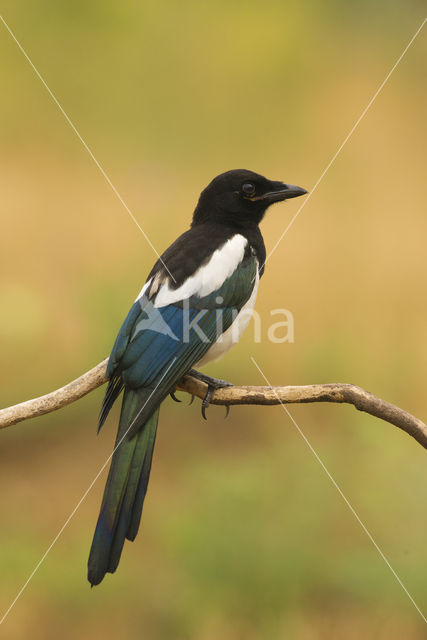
217	383
213	385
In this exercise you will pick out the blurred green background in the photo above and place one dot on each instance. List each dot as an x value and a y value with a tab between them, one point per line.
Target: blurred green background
244	536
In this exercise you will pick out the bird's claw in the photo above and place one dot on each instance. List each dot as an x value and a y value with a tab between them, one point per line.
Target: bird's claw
213	385
206	401
175	399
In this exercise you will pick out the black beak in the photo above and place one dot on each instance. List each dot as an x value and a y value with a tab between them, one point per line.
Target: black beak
282	191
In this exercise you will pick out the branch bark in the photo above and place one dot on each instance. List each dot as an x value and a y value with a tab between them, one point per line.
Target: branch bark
335	392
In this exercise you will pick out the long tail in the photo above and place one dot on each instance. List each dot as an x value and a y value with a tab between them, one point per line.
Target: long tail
125	489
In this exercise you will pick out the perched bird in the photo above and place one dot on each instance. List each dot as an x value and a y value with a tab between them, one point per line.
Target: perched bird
193	307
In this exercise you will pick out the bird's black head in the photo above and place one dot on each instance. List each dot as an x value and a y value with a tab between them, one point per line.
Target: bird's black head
240	197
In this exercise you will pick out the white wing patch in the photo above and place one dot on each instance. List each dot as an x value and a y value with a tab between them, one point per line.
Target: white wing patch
143	290
151	287
207	278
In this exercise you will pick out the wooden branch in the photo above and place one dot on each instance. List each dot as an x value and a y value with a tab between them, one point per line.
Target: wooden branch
57	399
335	392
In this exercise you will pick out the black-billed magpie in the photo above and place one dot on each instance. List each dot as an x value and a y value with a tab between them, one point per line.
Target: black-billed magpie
193	307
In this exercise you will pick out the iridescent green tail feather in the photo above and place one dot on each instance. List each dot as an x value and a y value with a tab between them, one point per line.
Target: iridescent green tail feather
125	489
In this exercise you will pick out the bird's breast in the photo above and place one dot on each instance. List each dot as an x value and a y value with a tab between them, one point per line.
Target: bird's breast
232	335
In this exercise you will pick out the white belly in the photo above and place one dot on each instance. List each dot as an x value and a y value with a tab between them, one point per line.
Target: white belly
232	335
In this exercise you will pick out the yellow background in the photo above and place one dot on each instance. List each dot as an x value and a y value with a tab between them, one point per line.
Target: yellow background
243	536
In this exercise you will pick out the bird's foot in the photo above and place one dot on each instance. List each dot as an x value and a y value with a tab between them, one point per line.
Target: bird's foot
213	385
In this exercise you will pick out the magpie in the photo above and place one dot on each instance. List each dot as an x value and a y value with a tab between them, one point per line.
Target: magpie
193	307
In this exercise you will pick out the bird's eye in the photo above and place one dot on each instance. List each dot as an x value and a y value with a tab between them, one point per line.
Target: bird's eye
248	188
